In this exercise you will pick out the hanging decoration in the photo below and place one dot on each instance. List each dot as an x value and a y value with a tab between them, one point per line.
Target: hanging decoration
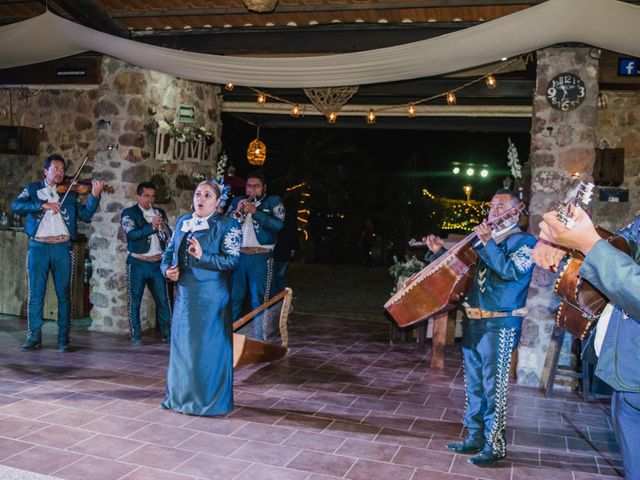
260	6
330	100
513	163
257	151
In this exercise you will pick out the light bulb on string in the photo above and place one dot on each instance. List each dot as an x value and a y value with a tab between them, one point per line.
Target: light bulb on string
262	98
332	117
371	117
229	86
295	111
451	98
491	81
411	110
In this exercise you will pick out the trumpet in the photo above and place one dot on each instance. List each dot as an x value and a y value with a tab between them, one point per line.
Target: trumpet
162	235
240	213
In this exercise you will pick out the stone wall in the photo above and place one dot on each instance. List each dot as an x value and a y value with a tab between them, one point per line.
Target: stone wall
619	127
129	98
562	143
108	123
67	123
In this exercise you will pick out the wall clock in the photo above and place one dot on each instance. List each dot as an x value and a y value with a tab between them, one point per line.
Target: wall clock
566	91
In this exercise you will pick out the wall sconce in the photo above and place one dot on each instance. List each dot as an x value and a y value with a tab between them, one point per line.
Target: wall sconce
603	101
40	127
451	98
111	149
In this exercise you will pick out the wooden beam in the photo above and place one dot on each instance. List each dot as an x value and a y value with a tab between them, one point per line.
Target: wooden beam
89	14
196	12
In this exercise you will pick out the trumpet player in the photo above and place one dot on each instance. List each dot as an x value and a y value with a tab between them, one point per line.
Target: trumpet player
147	231
261	217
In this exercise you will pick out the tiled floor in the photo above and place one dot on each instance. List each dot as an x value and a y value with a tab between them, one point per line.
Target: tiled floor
344	404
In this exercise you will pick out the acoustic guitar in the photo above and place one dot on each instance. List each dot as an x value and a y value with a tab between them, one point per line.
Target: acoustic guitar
581	303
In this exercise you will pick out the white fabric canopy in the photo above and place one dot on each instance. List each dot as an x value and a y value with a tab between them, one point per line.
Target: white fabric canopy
608	24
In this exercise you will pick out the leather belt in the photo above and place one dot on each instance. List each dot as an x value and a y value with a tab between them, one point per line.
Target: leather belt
150	259
53	239
477	313
255	250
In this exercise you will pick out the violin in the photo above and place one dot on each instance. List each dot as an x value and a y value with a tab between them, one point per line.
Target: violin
81	187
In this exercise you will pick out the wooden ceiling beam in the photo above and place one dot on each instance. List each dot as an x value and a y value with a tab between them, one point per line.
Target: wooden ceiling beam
194	12
89	14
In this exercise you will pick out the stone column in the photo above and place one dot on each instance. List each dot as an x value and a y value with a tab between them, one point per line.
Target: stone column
129	98
562	143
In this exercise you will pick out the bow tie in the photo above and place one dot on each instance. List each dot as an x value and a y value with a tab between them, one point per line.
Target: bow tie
194	224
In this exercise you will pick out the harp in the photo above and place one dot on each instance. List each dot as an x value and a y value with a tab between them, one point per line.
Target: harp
261	335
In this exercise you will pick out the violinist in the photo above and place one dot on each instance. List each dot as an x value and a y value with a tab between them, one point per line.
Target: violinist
261	217
51	224
493	314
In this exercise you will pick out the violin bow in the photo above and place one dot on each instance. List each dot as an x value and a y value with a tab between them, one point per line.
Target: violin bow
75	178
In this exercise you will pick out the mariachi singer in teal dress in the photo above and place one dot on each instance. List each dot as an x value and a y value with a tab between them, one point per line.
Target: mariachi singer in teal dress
204	248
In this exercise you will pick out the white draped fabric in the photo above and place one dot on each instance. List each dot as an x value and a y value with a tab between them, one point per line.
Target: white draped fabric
608	24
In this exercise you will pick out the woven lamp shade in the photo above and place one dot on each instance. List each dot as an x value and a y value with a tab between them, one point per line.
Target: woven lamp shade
256	152
260	5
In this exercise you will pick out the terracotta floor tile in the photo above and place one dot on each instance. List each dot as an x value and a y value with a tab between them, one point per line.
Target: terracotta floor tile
266	472
212	467
117	426
353	430
9	447
162	434
303	422
368	470
15	427
498	471
429	459
29	409
57	436
106	446
264	433
155	456
95	469
323	463
265	453
221	426
41	459
145	473
71	417
367	450
314	441
220	445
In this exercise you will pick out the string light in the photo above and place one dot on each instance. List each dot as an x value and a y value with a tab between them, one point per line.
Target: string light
229	86
451	98
295	111
371	117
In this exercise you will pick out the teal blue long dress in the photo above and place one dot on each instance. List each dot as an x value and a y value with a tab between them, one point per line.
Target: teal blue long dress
200	373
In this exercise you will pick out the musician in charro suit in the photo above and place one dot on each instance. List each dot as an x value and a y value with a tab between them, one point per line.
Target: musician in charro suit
51	225
493	314
261	217
616	338
148	232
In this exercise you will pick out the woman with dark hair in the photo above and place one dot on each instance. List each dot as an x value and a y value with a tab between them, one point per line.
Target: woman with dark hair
205	246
